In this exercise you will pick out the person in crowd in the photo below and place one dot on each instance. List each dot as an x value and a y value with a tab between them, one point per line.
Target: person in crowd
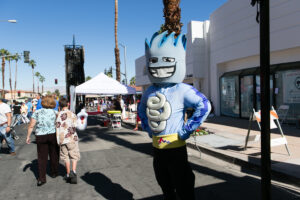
44	119
137	115
67	140
123	107
39	102
57	104
24	110
34	102
29	110
16	112
5	122
116	105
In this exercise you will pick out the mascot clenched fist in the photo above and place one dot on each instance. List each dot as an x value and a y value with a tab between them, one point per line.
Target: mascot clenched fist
162	110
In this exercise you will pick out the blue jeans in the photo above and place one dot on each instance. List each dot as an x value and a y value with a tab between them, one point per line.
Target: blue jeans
8	138
29	115
16	118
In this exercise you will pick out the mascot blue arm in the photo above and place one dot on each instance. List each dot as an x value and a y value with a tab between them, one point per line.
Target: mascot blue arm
142	114
196	100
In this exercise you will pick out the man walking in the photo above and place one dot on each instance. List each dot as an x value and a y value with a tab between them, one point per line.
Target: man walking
5	122
39	102
16	113
29	106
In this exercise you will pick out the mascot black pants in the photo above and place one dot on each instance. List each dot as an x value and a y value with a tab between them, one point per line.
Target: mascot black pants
173	173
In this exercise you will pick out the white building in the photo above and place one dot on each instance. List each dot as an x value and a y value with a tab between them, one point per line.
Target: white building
223	58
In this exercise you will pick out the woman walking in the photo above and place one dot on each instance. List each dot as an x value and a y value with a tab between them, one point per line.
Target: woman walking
44	119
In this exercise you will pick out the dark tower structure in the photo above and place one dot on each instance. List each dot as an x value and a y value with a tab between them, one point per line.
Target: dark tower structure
74	59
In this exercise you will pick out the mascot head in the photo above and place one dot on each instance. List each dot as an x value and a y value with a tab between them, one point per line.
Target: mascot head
165	58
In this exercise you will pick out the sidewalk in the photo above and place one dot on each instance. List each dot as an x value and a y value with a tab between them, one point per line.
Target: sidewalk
228	140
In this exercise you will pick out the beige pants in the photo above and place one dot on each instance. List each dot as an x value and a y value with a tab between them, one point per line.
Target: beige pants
69	151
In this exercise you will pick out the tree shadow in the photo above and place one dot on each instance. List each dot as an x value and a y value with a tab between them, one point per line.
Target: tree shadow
104	186
232	187
107	135
33	166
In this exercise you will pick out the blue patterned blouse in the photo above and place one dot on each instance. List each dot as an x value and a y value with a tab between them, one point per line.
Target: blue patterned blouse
45	121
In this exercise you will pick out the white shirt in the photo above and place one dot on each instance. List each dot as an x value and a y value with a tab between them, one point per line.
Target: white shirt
4	108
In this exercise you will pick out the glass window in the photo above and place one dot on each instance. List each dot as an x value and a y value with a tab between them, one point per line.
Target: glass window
246	95
258	100
230	96
287	92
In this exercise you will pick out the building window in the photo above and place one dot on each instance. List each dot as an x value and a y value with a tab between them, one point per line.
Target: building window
230	96
240	90
287	92
246	96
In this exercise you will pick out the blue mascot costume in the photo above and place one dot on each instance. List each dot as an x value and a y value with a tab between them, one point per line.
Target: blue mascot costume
162	110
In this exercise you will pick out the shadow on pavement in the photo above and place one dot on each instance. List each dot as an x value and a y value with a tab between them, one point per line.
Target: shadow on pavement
107	135
104	186
33	166
226	186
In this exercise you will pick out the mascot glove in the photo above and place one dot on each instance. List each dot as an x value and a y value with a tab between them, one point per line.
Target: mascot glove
184	134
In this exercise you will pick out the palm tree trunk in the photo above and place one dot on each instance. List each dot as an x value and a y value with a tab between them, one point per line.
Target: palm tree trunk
32	81
117	52
10	83
3	72
172	14
16	73
38	86
42	88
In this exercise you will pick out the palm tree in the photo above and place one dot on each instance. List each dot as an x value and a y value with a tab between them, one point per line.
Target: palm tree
37	74
88	78
42	80
3	54
16	58
9	58
32	64
117	52
172	15
132	81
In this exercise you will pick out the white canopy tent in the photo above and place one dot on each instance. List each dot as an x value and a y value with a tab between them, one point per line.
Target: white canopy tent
102	84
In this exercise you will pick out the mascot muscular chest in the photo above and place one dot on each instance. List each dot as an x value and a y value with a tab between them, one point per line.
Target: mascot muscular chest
165	58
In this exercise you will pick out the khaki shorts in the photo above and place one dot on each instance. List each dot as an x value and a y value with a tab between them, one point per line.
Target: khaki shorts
69	151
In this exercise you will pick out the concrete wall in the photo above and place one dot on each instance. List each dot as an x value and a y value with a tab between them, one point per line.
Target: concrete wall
197	55
141	77
234	38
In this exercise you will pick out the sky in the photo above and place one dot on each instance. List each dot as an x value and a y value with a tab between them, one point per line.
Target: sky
44	26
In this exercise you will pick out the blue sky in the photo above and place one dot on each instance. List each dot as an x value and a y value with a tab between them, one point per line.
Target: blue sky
45	26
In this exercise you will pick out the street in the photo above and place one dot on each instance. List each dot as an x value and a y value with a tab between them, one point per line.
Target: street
117	164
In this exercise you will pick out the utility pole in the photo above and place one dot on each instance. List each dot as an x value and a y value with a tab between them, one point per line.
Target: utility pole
264	9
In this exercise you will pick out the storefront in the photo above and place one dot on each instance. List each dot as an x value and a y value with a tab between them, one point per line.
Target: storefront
240	90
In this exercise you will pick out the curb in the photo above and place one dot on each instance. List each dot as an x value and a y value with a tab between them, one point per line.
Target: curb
276	175
255	166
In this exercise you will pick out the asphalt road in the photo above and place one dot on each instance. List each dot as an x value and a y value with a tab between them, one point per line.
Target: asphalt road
117	164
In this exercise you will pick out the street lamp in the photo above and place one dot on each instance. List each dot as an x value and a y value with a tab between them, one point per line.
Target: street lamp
124	61
10	21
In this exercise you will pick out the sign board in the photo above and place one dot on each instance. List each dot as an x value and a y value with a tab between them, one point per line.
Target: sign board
273	117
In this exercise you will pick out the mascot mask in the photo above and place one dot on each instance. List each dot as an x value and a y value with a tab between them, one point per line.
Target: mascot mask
165	58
